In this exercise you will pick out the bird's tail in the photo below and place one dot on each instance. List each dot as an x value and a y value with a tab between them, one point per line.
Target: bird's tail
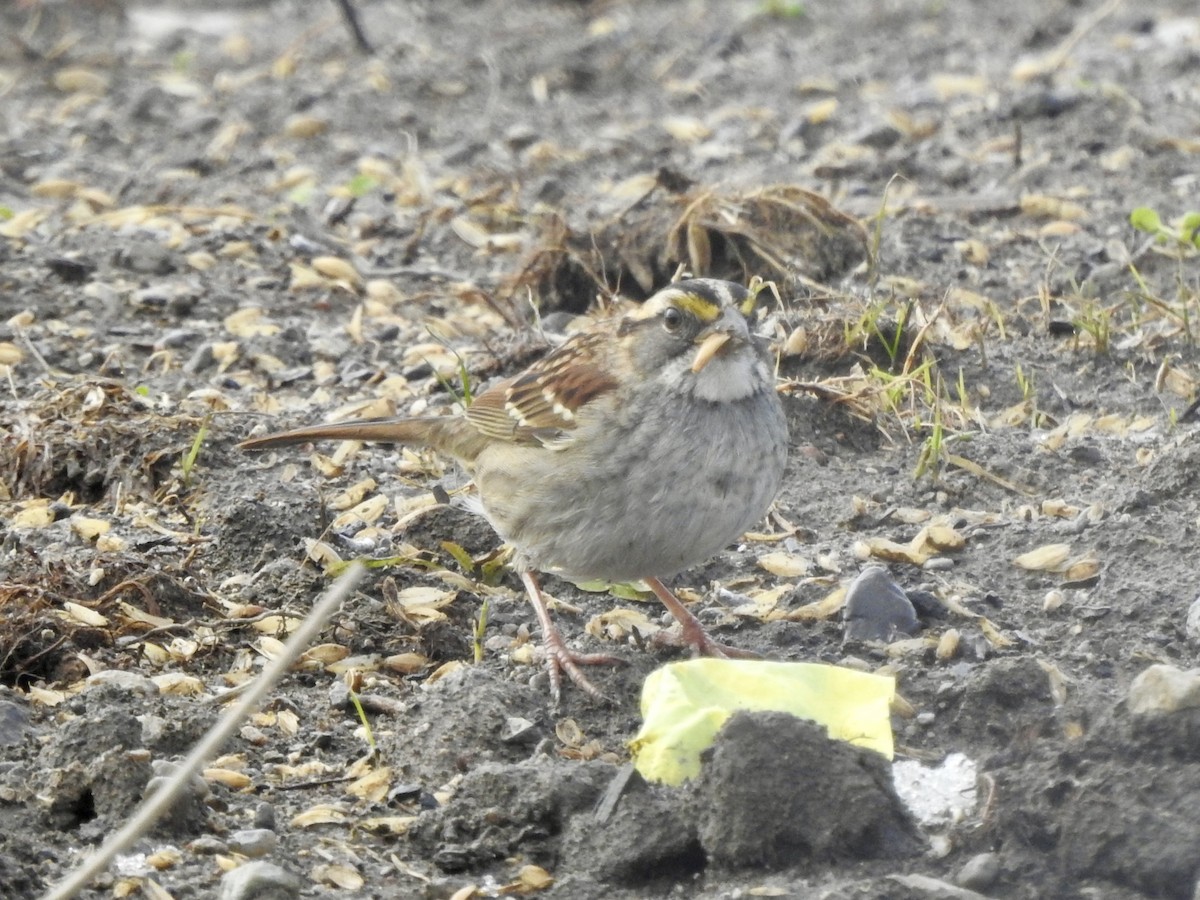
420	431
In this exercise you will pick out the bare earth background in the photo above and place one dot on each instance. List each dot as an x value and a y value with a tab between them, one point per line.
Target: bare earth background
217	218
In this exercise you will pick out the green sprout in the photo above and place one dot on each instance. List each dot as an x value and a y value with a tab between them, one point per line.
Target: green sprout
873	252
964	398
871	326
1096	321
465	397
461	556
1024	383
1186	234
361	185
933	448
782	9
362	717
188	463
479	630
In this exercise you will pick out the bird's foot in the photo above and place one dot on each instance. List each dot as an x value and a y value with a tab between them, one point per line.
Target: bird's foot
700	643
561	660
691	632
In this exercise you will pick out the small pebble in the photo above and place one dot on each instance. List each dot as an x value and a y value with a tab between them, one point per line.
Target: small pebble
254	736
877	609
187	812
1164	689
14	721
880	135
177	337
339	695
153	728
253	842
260	880
207	845
918	885
146	258
1053	601
264	815
517	730
980	872
132	682
1192	626
154	297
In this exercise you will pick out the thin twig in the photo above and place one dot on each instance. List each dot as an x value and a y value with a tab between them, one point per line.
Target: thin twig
1057	57
350	14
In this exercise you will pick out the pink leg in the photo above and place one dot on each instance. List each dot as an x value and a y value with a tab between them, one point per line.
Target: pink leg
559	658
692	633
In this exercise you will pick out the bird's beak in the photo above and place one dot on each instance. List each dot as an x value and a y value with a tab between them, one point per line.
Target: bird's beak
710	346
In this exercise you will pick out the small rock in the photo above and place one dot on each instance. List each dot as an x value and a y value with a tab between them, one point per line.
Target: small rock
1164	689
177	337
146	257
187	813
207	845
155	296
339	694
132	682
927	605
306	245
253	842
877	609
520	136
181	304
404	792
934	888
1193	622
1043	103
105	294
264	815
14	722
880	136
519	731
980	872
153	728
72	270
254	736
260	881
1054	600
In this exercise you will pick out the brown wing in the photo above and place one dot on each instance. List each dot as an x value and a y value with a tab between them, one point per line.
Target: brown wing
542	402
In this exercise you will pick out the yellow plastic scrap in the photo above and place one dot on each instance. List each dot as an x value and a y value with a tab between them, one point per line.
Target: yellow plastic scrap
685	704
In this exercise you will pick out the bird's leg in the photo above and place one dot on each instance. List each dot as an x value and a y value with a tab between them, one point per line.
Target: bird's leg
692	633
559	658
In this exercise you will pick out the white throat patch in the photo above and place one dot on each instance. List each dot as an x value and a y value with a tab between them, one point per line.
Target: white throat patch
728	378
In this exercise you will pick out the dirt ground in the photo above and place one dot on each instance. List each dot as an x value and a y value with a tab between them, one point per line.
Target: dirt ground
224	217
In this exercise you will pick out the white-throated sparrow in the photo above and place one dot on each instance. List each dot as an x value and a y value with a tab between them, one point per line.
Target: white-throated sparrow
635	450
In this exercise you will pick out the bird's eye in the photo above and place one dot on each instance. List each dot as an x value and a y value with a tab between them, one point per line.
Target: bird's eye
672	319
